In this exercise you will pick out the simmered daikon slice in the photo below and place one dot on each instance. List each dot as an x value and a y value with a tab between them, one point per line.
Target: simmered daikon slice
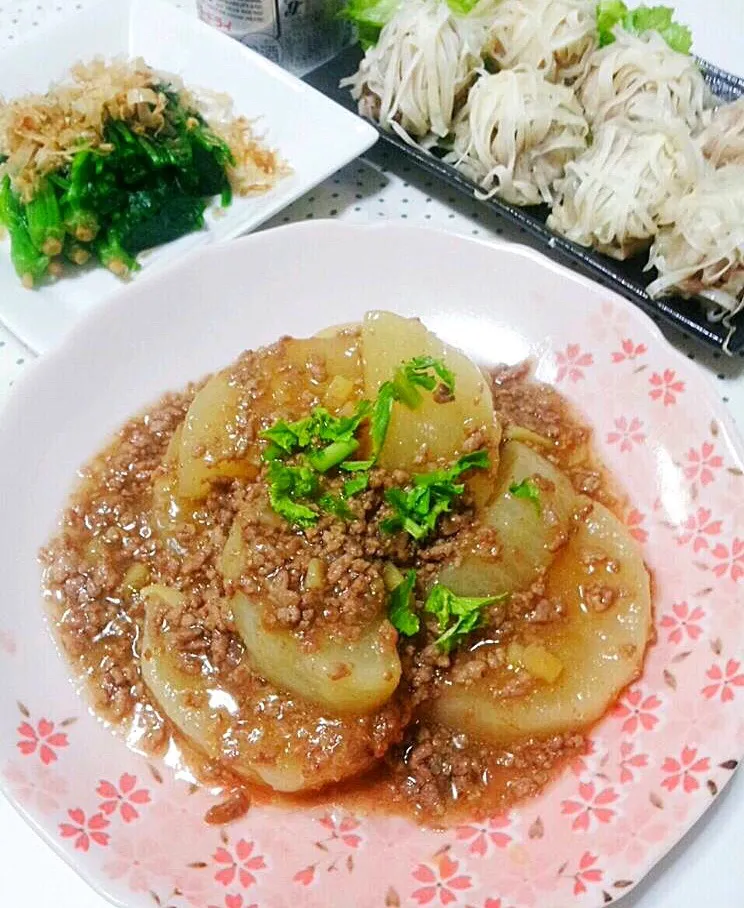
529	529
599	646
346	677
214	440
440	429
256	731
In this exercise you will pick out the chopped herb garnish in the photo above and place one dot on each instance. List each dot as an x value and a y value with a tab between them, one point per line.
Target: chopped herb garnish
400	606
286	486
334	504
421	372
326	442
355	486
528	490
457	616
417	510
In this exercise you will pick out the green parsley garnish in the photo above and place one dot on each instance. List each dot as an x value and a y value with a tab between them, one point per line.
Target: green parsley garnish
528	490
326	442
400	606
640	20
417	510
286	486
420	372
457	616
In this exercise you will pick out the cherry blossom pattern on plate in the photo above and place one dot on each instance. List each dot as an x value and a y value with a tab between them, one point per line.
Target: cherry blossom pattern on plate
138	861
339	846
730	560
37	786
591	807
684	772
42	738
442	882
683	623
701	464
641	829
698	529
627	433
484	838
629	350
630	762
638	710
724	679
634	521
84	829
235	900
588	873
666	387
122	797
240	864
571	363
527	874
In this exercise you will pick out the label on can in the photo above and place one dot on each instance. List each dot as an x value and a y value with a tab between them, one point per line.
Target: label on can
297	34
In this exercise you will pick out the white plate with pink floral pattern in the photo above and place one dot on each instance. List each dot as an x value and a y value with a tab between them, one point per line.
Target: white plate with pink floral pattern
657	761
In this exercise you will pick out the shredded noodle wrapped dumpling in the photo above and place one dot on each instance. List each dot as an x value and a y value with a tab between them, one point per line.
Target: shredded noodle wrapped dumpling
639	77
553	36
722	140
702	251
614	195
516	134
420	69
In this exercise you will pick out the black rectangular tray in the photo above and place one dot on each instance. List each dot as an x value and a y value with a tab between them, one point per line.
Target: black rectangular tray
626	278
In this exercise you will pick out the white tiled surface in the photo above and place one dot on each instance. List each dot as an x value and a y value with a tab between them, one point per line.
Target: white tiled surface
707	869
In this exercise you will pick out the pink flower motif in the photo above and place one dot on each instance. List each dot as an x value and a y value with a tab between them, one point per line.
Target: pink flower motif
639	830
629	351
572	362
682	622
701	463
627	434
724	681
697	528
629	760
235	901
342	829
666	387
527	876
240	865
483	836
587	873
592	804
732	560
37	786
193	886
582	764
138	860
682	770
305	876
122	798
637	710
633	522
84	830
42	738
442	881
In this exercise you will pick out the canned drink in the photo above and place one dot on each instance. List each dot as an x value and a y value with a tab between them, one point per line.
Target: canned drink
297	34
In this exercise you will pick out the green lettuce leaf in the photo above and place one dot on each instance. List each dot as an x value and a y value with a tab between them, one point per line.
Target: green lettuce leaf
370	16
640	20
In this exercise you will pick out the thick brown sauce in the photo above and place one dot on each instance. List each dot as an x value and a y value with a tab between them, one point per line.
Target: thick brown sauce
429	772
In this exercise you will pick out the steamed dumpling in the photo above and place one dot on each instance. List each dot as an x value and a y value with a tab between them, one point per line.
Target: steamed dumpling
516	134
614	195
722	140
639	77
552	36
421	67
702	250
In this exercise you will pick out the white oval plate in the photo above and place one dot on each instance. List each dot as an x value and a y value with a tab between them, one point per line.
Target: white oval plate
657	761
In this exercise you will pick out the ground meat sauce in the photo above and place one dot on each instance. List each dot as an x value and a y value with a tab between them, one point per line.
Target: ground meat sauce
112	544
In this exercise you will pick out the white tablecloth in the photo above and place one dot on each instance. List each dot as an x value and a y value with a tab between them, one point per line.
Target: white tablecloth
707	868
